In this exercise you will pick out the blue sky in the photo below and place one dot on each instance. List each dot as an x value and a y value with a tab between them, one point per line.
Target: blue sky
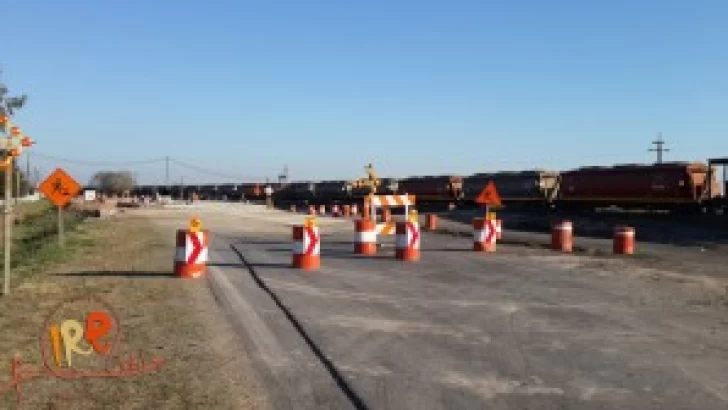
418	87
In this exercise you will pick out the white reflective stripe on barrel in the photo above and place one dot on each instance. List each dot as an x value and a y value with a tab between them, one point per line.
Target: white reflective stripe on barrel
180	254
366	237
298	248
402	241
203	255
317	248
563	227
479	236
415	245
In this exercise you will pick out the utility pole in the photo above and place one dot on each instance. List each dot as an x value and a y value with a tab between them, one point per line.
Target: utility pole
8	220
28	182
166	175
17	183
659	144
283	177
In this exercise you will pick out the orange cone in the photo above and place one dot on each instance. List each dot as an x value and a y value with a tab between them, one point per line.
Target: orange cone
624	240
306	248
484	235
562	236
431	222
191	257
408	241
365	241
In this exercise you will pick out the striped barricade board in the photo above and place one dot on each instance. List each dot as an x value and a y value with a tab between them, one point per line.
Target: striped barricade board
391	200
388	201
387	228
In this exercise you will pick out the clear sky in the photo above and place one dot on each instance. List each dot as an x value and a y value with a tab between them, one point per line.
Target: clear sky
418	87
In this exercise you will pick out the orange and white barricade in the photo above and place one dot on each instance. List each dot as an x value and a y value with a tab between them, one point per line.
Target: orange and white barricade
562	236
372	202
624	237
191	254
484	235
408	241
335	210
347	210
311	210
386	228
306	246
365	241
354	210
293	208
322	210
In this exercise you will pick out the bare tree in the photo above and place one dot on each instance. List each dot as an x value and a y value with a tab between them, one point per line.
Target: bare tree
113	182
8	106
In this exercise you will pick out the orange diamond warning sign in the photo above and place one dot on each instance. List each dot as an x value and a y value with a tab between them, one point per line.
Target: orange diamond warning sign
60	188
489	196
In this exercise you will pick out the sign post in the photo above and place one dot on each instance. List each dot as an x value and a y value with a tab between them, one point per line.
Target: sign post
60	188
60	226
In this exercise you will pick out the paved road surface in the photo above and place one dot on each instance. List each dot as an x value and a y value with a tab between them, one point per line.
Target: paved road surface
521	329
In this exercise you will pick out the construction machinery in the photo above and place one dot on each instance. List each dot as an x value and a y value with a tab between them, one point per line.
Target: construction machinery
371	183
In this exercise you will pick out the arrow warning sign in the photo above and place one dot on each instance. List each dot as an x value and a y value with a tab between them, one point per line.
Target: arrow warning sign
491	231
313	240
489	196
197	248
414	235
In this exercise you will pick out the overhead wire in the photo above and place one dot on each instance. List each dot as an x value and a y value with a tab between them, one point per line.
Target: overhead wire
211	172
97	163
175	161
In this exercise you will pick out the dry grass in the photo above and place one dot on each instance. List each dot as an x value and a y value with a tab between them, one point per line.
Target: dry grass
128	263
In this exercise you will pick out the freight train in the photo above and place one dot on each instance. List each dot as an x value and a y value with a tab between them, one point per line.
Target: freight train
670	186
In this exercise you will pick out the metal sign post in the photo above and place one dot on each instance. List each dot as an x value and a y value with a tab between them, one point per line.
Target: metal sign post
60	188
60	227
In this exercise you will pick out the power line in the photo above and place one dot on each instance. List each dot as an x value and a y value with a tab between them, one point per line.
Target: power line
166	160
97	163
212	172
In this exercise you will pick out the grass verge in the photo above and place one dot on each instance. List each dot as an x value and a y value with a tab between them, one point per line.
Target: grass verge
128	264
35	238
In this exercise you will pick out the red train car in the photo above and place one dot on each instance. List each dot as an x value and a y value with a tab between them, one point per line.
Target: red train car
667	184
252	191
